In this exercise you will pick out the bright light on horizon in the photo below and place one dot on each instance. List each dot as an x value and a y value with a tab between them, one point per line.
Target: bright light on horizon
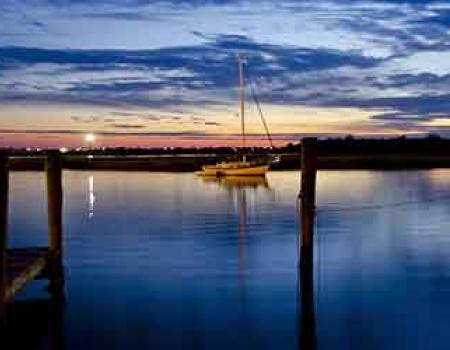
90	138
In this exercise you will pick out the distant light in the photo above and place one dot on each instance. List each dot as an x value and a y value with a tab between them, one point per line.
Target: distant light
90	138
63	150
90	156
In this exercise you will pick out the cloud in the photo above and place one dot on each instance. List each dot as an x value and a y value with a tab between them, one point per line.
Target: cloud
403	29
219	52
128	16
127	126
424	104
401	117
426	80
439	17
84	119
201	74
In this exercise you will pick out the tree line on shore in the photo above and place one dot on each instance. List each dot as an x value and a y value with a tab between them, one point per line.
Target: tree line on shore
432	144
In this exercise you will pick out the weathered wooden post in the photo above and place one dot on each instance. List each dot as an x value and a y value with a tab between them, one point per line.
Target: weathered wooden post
306	267
308	190
55	227
4	187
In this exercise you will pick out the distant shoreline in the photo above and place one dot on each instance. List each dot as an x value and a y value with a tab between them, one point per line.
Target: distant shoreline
191	163
347	153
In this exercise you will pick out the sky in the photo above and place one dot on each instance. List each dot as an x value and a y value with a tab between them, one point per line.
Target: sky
147	73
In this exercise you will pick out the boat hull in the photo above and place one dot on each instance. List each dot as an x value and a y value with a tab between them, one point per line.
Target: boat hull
259	170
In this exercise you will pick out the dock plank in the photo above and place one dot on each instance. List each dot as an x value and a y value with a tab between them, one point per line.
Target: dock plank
23	266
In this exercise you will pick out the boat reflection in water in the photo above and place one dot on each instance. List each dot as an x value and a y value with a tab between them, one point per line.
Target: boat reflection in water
231	182
240	188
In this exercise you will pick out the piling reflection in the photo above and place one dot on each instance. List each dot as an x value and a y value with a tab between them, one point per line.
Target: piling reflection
307	319
43	323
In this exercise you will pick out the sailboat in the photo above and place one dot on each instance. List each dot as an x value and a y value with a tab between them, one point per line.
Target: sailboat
242	167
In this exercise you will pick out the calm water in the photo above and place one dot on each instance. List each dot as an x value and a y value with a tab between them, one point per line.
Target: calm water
158	260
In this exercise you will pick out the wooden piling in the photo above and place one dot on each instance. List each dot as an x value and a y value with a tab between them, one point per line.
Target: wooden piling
306	266
55	226
308	189
4	187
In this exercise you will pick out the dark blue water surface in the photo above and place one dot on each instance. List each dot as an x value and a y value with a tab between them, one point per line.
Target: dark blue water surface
171	261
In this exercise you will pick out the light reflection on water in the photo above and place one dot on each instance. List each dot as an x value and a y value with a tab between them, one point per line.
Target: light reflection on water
91	197
175	261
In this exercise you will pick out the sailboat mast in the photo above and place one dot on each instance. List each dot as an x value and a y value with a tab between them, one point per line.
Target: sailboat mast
242	97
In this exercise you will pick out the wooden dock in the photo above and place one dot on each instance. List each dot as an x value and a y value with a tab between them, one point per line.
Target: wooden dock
20	266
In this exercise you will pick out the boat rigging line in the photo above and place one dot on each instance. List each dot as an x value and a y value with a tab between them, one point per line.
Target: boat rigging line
252	86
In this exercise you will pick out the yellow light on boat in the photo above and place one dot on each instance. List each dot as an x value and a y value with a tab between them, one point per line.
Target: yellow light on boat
63	149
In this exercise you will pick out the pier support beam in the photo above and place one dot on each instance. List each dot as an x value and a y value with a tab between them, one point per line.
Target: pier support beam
55	226
306	266
4	187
